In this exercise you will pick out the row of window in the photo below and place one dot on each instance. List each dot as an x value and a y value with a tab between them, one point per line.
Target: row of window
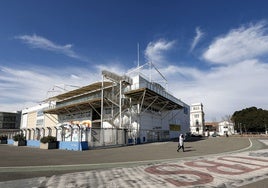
8	126
8	119
195	108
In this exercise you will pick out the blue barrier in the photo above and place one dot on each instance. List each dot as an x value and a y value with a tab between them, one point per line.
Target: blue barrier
33	143
130	141
76	146
10	141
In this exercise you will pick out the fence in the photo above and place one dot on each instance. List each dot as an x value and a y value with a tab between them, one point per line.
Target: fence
92	137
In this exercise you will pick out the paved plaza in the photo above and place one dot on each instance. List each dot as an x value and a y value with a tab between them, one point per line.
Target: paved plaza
211	162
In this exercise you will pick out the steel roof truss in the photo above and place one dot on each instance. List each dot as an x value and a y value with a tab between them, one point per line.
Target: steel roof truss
155	98
94	109
78	108
68	111
142	100
174	107
165	104
111	101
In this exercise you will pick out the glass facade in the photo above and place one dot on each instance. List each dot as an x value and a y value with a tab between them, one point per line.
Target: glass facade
9	120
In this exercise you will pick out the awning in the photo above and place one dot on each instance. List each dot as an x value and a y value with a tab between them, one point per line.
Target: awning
153	99
80	91
82	106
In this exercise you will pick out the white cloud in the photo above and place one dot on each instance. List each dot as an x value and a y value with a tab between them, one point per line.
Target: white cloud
113	66
237	82
222	90
155	50
21	88
40	42
197	38
26	87
239	45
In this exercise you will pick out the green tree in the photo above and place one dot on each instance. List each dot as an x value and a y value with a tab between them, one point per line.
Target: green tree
250	120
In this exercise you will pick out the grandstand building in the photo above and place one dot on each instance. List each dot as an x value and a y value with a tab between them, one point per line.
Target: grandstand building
138	110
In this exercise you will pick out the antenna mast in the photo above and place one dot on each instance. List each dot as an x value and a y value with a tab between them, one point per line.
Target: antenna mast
138	48
138	56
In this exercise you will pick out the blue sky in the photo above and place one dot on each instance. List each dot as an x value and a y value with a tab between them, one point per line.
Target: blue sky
210	51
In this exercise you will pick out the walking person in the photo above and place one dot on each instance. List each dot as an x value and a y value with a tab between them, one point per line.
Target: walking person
181	143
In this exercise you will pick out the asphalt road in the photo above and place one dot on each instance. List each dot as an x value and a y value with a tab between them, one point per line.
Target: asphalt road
26	162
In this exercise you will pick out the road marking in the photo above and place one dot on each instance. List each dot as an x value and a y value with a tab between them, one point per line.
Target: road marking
264	141
101	165
226	170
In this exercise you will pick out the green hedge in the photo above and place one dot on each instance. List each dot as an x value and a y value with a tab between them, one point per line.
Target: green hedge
3	137
19	137
47	139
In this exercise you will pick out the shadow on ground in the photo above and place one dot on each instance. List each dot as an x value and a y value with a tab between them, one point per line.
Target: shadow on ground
191	139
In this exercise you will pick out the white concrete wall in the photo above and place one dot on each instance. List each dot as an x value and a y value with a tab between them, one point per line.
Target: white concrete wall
226	127
161	122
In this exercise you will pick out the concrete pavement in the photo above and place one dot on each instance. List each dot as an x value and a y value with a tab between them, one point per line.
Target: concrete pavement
211	162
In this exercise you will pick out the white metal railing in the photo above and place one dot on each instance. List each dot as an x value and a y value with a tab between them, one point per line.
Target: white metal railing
156	89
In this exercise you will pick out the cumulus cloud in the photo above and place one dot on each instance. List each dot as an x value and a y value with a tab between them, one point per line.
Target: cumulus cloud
246	42
222	90
155	51
239	80
113	66
197	38
40	42
21	88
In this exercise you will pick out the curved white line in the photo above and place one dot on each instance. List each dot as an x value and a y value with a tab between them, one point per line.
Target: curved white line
56	167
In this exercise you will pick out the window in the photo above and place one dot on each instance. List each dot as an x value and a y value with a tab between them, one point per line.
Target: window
9	118
39	122
196	116
40	113
8	125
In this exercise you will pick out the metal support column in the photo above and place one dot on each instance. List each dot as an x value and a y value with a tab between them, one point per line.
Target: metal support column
102	96
120	105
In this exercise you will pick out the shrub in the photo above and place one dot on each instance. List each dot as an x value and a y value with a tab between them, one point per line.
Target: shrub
47	139
19	137
3	137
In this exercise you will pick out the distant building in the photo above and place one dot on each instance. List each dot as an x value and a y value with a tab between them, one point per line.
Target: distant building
10	120
197	119
226	127
211	128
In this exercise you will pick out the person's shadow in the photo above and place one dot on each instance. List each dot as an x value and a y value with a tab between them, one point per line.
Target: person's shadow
188	149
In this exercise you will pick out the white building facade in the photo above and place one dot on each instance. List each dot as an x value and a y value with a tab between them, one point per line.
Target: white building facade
197	119
35	123
226	128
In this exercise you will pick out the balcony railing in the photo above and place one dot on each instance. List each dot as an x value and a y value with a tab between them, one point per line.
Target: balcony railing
155	88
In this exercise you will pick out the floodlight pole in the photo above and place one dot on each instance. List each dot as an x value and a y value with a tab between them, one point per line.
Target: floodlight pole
138	54
102	96
120	105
